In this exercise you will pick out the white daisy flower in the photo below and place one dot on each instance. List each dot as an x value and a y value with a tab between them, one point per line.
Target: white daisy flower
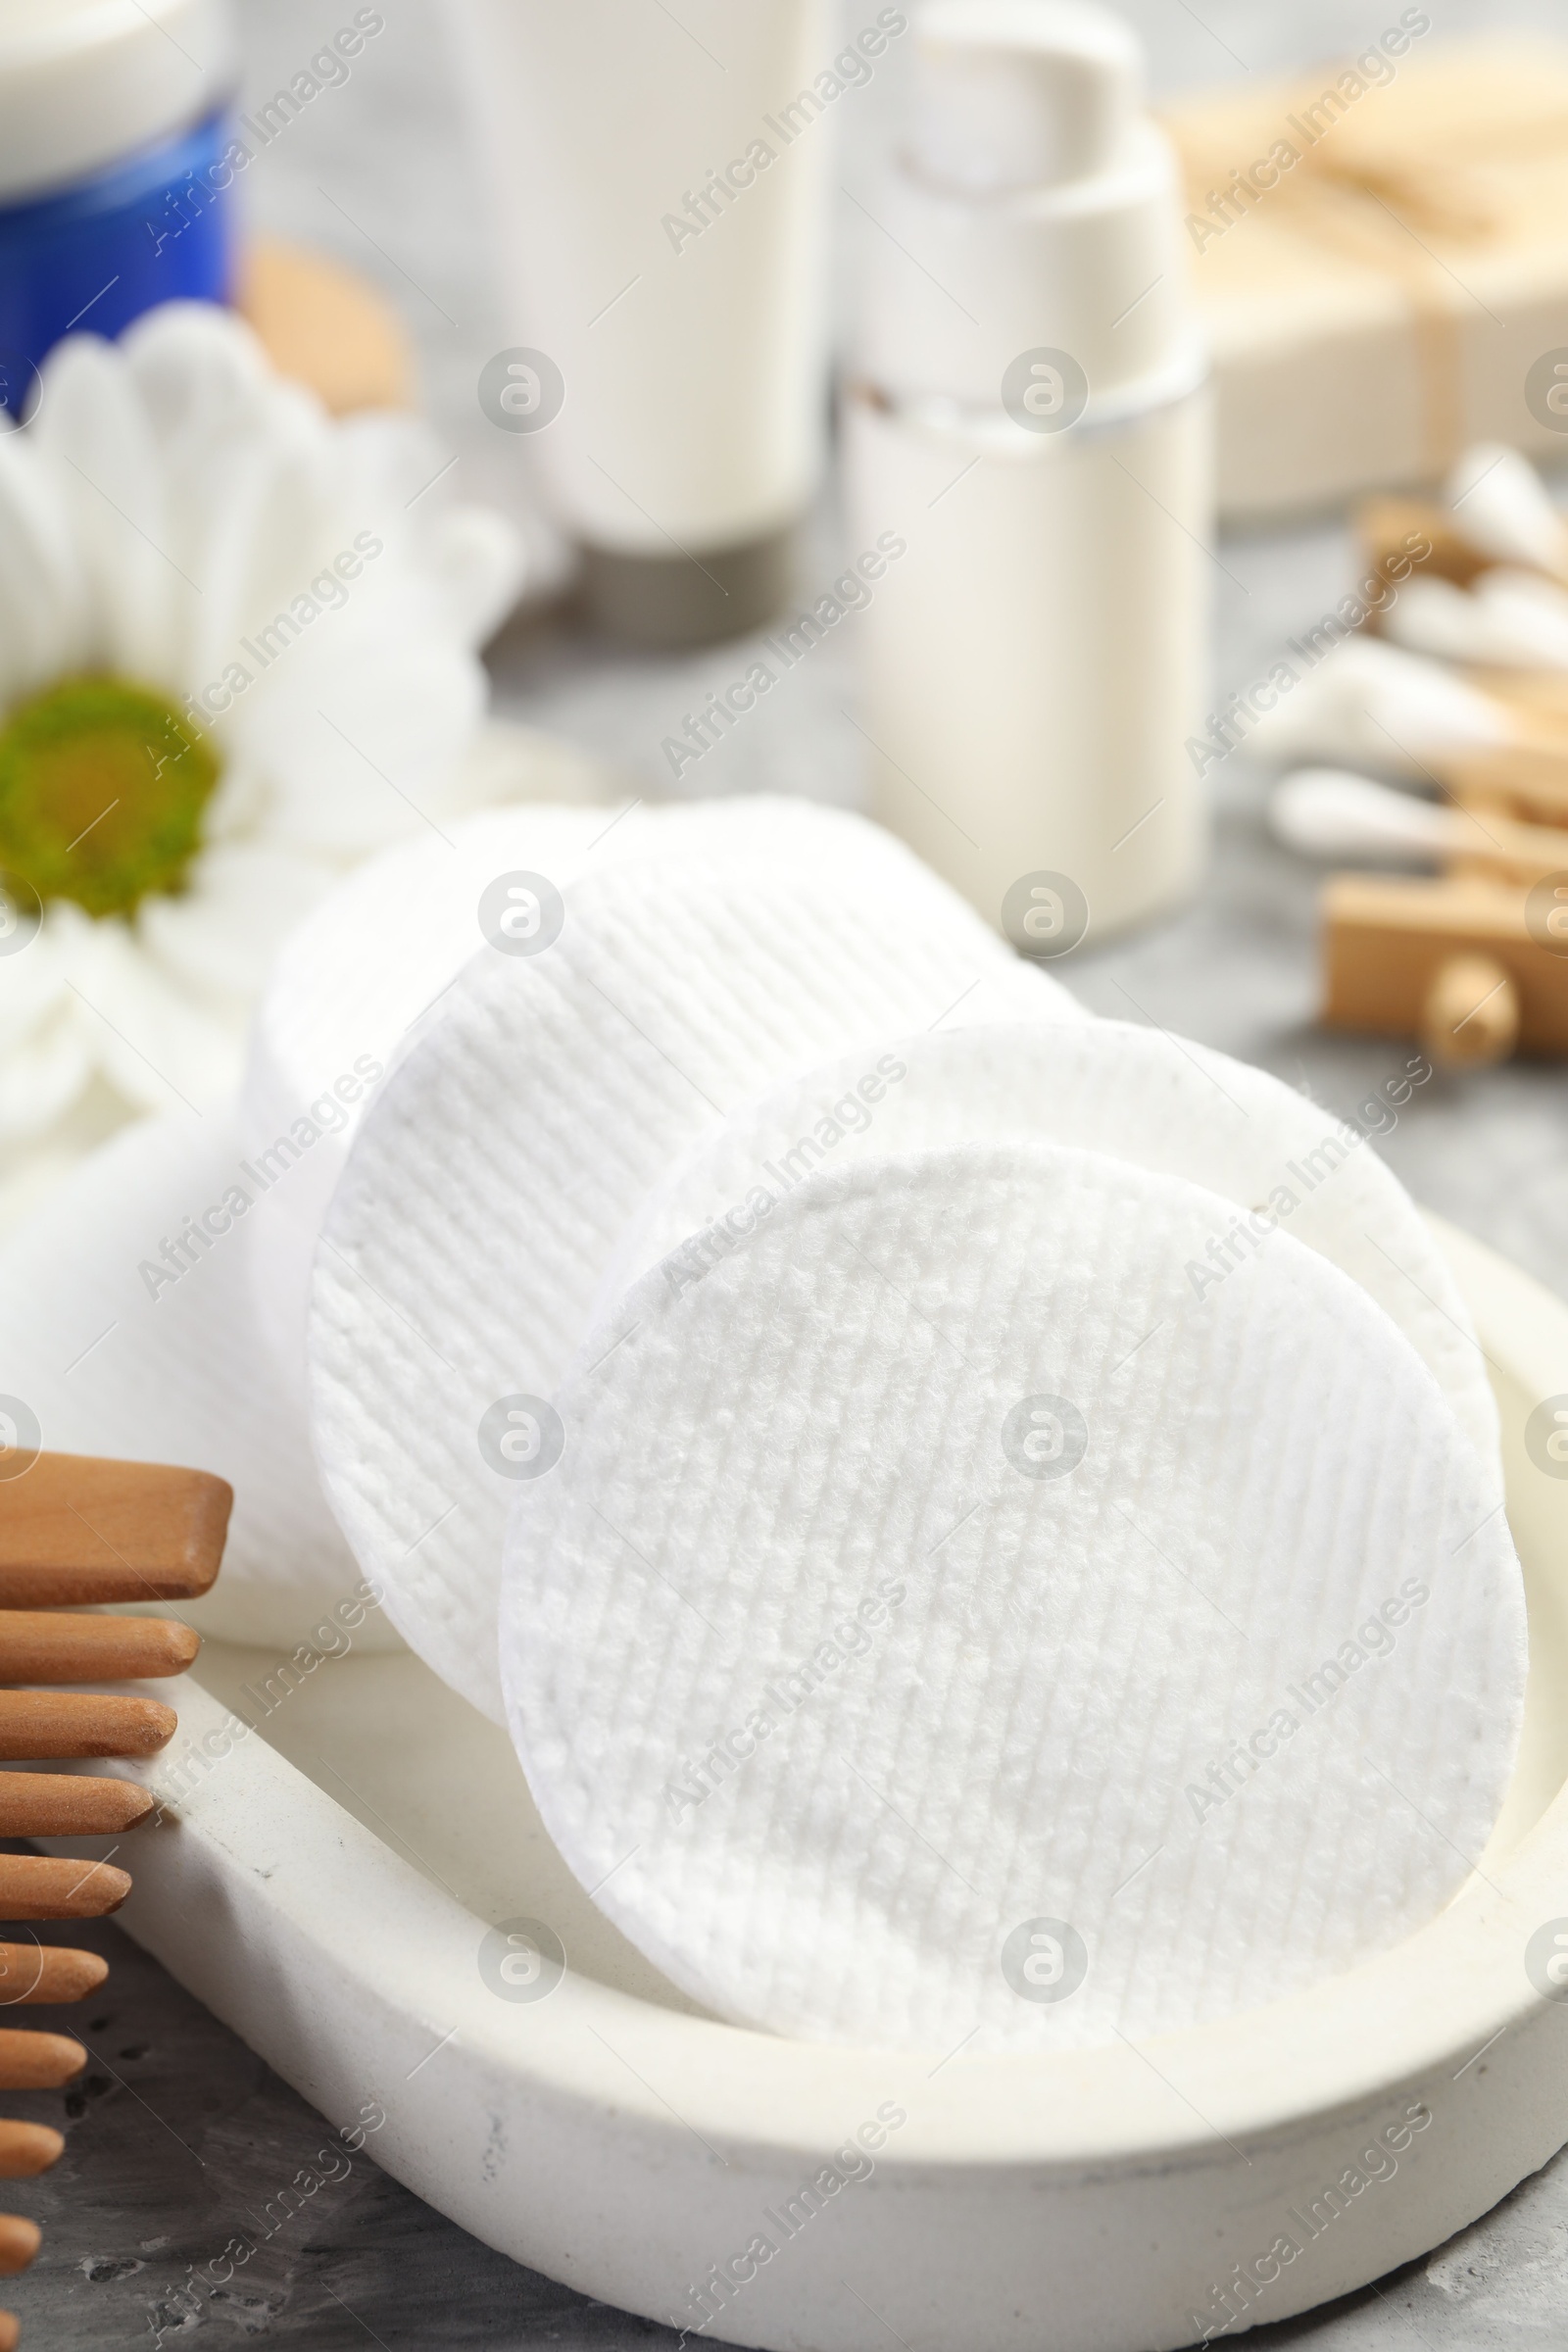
238	652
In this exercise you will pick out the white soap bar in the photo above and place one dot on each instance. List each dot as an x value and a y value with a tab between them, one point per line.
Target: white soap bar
1281	1163
379	951
941	1629
125	1329
491	1176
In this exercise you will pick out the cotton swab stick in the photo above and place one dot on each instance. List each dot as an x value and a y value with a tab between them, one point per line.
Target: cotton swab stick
1329	813
1509	619
1495	511
1370	705
1498	501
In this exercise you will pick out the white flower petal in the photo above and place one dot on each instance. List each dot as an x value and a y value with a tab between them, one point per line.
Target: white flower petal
375	756
43	600
300	534
244	543
387	458
33	1168
177	513
238	809
33	976
476	569
242	901
154	1041
91	427
249	477
45	1072
47	1055
199	371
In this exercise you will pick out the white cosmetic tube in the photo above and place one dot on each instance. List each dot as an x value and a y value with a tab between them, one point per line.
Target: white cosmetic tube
661	184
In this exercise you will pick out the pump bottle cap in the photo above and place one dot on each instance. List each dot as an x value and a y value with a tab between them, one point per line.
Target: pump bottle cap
1011	94
1038	208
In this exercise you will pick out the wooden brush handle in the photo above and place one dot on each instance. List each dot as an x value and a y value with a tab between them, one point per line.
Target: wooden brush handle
68	1804
37	1975
59	1723
37	1649
78	1531
19	2243
59	1887
73	1529
38	2061
26	2149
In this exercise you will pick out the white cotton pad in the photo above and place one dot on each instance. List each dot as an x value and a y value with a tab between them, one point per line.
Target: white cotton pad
1280	1163
503	1155
116	1343
939	1629
346	986
381	948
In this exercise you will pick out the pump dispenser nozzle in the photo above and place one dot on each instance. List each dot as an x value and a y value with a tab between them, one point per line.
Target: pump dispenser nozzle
1012	94
1040	203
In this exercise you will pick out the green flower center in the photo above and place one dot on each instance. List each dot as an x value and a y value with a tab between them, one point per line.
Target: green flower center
102	788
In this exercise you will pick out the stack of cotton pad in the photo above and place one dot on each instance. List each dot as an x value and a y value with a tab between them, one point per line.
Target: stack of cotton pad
356	977
942	1629
500	1160
995	1515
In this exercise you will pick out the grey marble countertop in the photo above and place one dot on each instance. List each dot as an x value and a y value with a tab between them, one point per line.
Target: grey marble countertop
176	2129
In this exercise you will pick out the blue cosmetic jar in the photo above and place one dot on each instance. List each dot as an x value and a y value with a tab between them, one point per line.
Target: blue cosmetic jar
115	192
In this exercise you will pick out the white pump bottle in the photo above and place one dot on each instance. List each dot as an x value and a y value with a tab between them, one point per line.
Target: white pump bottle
1029	413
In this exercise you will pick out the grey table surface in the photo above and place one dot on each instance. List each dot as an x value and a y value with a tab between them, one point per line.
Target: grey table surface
178	2133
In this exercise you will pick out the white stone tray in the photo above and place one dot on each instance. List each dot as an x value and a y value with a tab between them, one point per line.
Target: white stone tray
330	1890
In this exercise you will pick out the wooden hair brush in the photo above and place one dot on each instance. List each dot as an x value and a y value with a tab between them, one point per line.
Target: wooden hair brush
74	1534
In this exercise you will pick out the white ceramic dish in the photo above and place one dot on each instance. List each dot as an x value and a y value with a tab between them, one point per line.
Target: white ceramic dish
330	1890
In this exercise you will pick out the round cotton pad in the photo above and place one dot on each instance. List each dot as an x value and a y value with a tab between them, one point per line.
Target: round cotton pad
503	1155
344	989
941	1629
1280	1163
125	1328
380	949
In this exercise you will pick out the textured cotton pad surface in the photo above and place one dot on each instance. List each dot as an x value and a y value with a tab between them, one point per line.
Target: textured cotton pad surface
505	1153
117	1343
939	1623
1282	1163
379	951
343	991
